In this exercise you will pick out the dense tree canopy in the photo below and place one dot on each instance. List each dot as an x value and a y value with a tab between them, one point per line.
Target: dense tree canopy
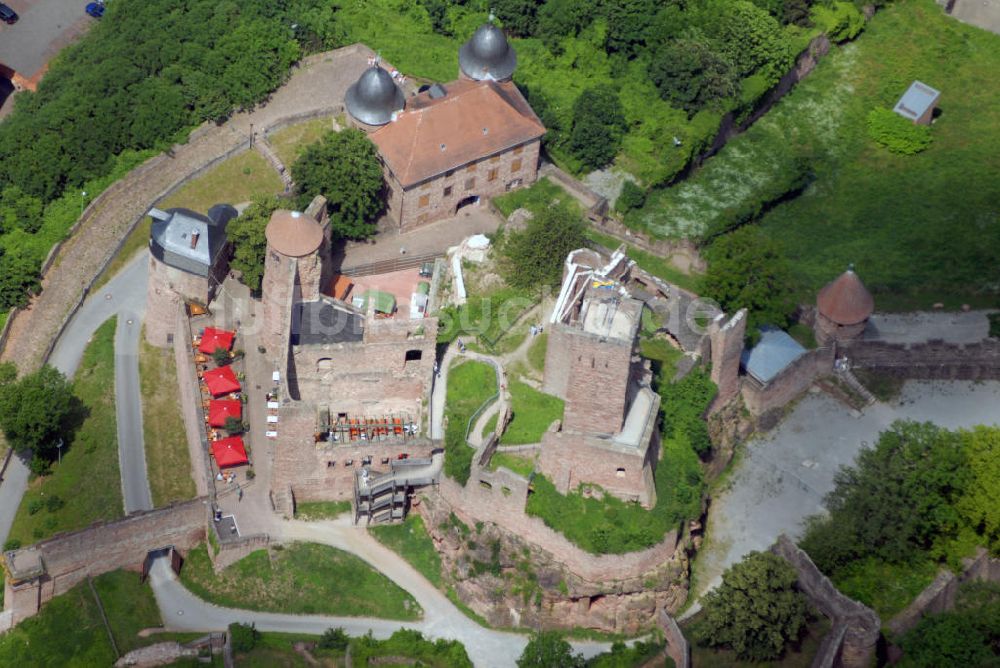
344	168
756	611
690	75
534	256
901	498
969	635
598	126
748	270
246	233
549	649
36	411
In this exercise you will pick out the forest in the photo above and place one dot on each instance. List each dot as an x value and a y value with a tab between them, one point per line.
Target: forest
639	82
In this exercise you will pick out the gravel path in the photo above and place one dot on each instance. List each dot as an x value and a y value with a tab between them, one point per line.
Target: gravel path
782	478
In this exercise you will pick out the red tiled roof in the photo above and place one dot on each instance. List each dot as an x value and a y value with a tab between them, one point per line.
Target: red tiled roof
293	233
475	119
846	300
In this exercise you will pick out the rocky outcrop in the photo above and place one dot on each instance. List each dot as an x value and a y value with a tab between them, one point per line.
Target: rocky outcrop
511	582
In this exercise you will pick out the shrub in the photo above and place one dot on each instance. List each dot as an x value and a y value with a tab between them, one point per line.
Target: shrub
756	610
684	404
534	256
34	506
54	503
234	425
841	21
334	639
221	356
243	637
631	197
896	133
12	544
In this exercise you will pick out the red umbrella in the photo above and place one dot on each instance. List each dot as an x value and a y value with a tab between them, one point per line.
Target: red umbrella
220	409
214	339
221	381
229	452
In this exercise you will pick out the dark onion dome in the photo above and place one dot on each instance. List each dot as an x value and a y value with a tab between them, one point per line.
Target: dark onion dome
374	97
487	55
846	300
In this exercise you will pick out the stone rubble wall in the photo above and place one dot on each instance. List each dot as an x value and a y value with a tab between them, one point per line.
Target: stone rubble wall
933	360
790	383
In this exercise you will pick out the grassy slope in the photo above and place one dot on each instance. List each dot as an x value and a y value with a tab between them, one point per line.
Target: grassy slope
289	143
88	479
470	384
69	631
302	578
167	456
411	541
532	413
920	228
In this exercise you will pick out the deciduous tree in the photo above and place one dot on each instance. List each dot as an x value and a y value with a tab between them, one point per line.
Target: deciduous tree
691	76
548	649
344	168
249	243
757	609
535	255
37	410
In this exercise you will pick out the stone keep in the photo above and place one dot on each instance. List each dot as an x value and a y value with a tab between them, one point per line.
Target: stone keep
293	270
726	339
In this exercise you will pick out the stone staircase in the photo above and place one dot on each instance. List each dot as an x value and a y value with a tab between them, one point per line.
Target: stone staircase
852	381
264	148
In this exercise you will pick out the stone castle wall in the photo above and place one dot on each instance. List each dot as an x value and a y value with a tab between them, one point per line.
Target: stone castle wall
168	287
931	360
427	202
726	341
477	503
72	557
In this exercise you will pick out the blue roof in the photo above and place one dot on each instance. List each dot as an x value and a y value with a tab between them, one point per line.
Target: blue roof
775	351
917	99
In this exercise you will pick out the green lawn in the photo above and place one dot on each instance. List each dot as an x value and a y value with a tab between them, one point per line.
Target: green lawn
886	588
532	412
470	384
86	484
536	352
233	181
920	229
411	541
168	460
541	195
290	142
321	510
130	607
664	356
611	526
301	578
69	632
522	465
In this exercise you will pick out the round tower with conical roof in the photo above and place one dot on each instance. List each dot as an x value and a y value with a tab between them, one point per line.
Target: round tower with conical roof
843	307
374	98
293	270
487	55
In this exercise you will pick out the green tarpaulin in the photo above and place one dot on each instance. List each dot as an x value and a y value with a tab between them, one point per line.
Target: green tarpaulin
383	301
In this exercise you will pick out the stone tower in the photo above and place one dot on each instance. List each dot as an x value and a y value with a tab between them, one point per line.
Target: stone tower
843	307
293	271
727	347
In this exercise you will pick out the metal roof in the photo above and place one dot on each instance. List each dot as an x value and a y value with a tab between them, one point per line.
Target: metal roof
917	99
190	241
320	322
487	55
775	351
374	97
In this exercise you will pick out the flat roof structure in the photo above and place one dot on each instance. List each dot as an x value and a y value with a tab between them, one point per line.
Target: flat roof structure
611	316
917	99
775	351
320	322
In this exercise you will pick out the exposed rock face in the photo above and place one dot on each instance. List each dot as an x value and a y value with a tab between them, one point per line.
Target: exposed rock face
513	583
728	426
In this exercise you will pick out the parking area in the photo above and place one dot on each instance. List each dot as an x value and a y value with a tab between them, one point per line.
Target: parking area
45	27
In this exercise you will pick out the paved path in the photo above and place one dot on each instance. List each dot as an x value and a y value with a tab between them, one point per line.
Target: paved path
784	475
125	296
181	610
45	28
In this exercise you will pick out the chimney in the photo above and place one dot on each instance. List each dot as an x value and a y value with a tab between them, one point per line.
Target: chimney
194	238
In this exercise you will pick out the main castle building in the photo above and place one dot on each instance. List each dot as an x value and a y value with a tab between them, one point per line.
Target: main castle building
451	145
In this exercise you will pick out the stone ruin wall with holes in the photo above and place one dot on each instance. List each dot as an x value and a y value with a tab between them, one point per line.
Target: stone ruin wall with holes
515	571
304	470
